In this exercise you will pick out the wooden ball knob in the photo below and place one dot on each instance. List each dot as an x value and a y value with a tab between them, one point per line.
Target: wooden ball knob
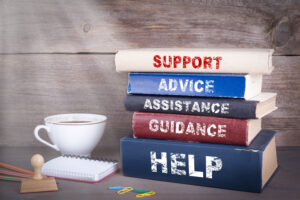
37	162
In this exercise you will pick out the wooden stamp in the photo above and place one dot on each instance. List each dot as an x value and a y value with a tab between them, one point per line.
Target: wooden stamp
38	183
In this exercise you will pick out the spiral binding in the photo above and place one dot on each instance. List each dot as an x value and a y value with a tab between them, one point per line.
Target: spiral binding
89	158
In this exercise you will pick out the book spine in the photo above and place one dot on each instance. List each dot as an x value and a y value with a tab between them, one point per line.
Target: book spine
195	61
215	107
192	163
190	128
231	86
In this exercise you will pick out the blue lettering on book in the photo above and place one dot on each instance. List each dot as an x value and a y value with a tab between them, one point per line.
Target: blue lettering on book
198	86
178	165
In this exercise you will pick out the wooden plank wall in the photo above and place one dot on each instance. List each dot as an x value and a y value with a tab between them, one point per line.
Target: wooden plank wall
58	56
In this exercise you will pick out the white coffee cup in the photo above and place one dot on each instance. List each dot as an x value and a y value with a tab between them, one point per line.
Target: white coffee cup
75	134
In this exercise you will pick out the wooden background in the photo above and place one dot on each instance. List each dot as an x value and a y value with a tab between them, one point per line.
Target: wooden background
58	56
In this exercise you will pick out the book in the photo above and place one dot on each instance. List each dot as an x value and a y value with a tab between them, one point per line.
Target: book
79	169
247	61
202	85
255	107
214	165
195	128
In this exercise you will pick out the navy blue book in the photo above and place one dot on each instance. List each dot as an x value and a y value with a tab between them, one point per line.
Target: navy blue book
214	165
202	85
254	108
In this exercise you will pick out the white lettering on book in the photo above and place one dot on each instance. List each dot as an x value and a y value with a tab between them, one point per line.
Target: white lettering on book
179	127
210	167
197	86
183	86
203	129
162	161
179	166
186	106
175	162
173	85
192	171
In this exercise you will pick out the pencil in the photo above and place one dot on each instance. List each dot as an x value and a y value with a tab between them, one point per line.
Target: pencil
18	169
5	172
9	178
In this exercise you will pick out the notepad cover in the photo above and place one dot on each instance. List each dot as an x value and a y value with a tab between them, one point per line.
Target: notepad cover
79	169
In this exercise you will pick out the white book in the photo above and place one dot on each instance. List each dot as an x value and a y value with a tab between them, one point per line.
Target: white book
79	169
195	60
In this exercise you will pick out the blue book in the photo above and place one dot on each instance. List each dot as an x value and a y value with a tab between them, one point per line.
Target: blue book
215	165
205	85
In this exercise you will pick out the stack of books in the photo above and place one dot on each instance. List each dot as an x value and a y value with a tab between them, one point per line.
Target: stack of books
197	117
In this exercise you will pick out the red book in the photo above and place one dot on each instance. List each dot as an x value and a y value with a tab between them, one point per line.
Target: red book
195	128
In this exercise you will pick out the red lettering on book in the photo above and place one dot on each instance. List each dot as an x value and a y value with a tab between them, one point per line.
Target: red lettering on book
186	60
165	61
217	59
157	62
207	62
177	60
195	65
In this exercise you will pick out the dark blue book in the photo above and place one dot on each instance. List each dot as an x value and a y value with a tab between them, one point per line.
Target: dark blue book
254	108
214	165
204	85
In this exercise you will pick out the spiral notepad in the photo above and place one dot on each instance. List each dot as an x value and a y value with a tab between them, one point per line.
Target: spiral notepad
79	169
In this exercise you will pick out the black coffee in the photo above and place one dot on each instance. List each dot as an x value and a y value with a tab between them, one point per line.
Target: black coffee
73	122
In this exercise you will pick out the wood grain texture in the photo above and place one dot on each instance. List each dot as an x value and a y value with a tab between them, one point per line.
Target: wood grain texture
44	185
28	26
35	86
286	83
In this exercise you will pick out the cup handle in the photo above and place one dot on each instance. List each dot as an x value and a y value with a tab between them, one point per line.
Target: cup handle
36	134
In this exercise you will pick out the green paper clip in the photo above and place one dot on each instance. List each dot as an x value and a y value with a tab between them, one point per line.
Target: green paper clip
141	191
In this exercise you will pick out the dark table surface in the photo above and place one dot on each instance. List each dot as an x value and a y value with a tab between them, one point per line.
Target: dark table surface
284	185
